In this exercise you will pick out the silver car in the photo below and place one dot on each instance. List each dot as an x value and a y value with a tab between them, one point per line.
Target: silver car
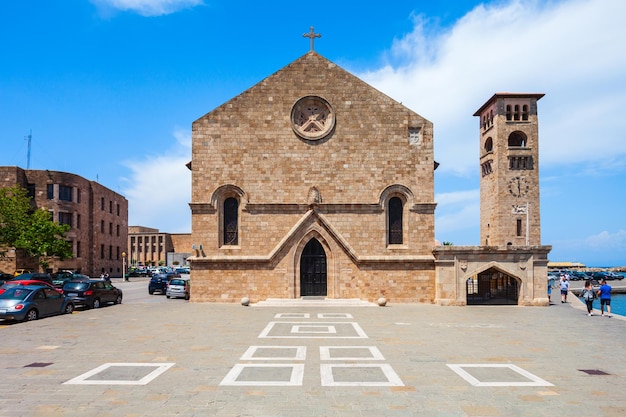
178	287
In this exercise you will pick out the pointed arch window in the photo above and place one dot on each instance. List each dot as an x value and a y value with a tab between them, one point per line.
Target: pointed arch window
394	219
231	221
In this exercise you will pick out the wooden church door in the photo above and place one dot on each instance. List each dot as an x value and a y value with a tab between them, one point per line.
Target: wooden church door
313	270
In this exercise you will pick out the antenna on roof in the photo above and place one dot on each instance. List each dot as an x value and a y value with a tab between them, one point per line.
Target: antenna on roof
28	139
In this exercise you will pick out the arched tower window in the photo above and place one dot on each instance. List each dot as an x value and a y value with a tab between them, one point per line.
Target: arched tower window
394	214
517	139
509	115
489	144
516	115
231	221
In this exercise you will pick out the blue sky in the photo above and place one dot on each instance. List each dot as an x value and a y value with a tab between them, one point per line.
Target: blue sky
110	89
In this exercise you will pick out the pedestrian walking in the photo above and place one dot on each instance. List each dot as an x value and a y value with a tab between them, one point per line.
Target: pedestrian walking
550	286
564	285
588	295
605	298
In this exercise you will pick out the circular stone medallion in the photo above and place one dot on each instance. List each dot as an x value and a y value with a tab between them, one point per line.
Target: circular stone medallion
312	118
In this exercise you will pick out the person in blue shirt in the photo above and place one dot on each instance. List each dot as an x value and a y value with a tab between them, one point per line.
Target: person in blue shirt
605	298
564	285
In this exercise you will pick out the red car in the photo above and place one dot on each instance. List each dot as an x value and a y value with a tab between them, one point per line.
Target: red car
15	282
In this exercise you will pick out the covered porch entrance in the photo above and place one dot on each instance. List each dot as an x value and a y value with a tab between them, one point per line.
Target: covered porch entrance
492	287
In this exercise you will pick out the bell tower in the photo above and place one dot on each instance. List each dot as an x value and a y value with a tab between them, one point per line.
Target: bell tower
509	163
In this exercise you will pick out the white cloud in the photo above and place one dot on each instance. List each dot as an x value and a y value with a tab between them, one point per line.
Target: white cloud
602	241
570	50
147	7
160	188
604	249
457	211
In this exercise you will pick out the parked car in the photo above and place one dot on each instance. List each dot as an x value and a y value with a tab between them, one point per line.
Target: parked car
607	275
5	277
30	302
18	282
139	272
92	293
21	271
178	288
38	276
158	282
60	278
579	275
182	271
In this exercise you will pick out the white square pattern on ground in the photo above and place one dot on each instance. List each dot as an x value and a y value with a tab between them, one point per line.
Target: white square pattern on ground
533	380
383	375
286	330
132	371
292	316
245	374
334	316
349	353
337	374
313	328
276	353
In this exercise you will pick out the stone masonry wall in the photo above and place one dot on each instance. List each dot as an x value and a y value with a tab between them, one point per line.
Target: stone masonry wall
247	145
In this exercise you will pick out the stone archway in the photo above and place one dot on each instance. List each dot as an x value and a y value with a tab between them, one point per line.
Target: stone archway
492	287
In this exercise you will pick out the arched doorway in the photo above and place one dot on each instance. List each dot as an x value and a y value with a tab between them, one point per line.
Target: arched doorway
313	270
492	287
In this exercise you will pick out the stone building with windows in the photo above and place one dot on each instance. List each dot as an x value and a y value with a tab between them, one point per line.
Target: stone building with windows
510	266
98	218
312	183
150	247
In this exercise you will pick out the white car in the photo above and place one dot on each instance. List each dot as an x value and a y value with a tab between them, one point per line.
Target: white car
178	288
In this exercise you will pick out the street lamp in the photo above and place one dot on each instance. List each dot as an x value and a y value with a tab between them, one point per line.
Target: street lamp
124	266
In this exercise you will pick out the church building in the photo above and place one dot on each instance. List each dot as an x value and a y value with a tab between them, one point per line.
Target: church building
312	183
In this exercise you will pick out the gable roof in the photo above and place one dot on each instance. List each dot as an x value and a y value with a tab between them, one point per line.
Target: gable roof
315	74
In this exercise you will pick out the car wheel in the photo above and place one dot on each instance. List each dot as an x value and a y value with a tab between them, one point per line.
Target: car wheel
167	296
118	300
96	303
69	308
150	292
31	315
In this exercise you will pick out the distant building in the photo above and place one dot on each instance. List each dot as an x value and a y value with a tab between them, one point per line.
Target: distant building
98	218
150	247
566	265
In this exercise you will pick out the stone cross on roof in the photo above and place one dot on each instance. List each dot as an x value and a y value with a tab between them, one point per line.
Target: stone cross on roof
312	35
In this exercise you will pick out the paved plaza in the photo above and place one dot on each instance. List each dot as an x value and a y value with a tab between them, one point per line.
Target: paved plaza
315	359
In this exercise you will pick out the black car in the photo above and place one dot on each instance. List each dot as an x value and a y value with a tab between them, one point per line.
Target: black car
158	282
60	278
37	276
5	277
92	293
607	275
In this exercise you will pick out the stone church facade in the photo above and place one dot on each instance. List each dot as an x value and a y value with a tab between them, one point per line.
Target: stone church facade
313	183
